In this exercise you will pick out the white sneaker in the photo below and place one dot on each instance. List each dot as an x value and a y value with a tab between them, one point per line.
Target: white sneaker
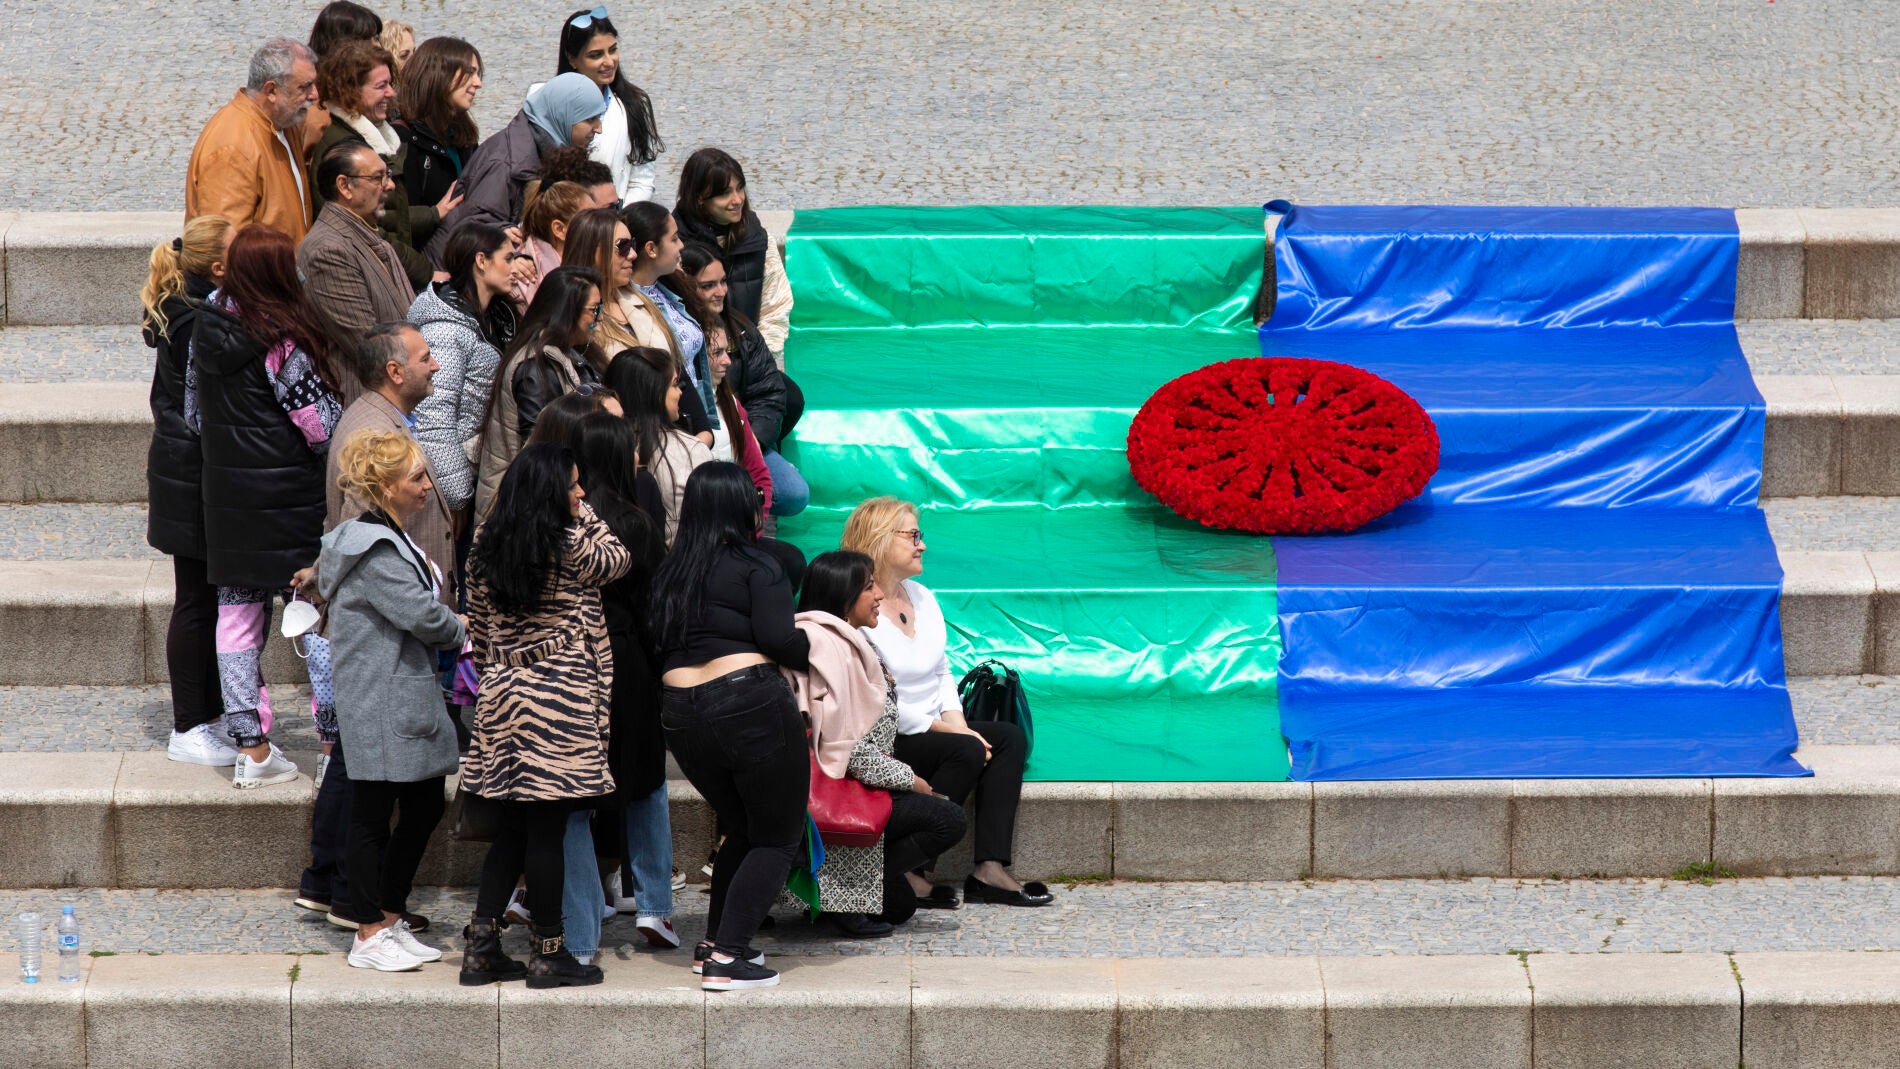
273	769
679	881
659	932
616	900
201	746
381	952
414	947
517	913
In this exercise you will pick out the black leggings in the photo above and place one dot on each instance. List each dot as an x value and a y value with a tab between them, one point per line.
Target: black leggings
952	763
191	647
527	842
921	827
382	864
741	742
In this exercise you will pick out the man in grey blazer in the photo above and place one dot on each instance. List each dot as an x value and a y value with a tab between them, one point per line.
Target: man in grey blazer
352	275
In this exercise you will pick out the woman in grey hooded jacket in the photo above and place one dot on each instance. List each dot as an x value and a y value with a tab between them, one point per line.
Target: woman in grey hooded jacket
386	626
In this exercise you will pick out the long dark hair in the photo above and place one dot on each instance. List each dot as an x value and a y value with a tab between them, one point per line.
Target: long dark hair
646	224
609	456
470	239
640	377
709	173
833	582
642	131
556	307
519	547
719	511
422	93
261	277
341	20
694	258
560	421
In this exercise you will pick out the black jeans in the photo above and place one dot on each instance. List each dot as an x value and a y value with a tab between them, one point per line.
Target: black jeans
921	827
952	763
528	842
383	863
327	875
741	742
191	647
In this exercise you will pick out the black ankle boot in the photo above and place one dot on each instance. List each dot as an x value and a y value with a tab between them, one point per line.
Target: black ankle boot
553	966
482	961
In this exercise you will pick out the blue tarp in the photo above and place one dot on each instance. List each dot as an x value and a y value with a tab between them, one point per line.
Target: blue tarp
1586	587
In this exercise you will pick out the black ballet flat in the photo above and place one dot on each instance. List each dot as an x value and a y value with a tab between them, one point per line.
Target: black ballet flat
1033	893
941	896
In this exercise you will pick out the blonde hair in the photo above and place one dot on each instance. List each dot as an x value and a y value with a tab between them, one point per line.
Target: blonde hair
373	462
391	40
195	253
870	527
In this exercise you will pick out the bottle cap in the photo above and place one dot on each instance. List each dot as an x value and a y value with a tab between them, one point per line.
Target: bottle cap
67	910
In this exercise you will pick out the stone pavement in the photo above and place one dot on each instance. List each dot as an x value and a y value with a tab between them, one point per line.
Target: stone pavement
1723	102
1478	916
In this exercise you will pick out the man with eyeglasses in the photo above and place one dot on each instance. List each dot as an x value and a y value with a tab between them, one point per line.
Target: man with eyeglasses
248	164
353	276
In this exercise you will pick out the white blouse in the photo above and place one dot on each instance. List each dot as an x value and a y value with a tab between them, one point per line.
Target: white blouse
920	666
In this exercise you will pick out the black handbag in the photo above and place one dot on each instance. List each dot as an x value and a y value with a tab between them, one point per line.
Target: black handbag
993	691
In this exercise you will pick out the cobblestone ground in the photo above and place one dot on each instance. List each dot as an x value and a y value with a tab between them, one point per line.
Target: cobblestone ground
1723	102
1480	916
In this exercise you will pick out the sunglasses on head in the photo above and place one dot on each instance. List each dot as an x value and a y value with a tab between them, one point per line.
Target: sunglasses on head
588	18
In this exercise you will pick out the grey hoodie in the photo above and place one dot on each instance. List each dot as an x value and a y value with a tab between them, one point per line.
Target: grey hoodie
385	628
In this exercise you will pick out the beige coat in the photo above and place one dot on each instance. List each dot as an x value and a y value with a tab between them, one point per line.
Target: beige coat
501	430
649	324
429	529
680	453
352	275
240	170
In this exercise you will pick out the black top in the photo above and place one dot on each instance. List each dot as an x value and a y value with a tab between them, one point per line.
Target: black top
745	607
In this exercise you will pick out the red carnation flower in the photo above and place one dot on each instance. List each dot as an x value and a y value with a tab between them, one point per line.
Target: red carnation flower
1279	445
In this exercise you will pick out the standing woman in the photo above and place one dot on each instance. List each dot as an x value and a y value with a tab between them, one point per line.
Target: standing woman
629	138
183	273
722	620
433	99
713	208
566	111
553	354
267	402
544	228
467	321
648	385
933	738
598	241
659	317
399	39
387	626
540	739
339	21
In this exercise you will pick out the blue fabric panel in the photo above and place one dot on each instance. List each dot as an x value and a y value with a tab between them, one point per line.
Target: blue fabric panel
1585	588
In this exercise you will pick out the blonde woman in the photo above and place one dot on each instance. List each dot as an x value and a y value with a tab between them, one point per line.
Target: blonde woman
400	40
184	271
387	624
954	756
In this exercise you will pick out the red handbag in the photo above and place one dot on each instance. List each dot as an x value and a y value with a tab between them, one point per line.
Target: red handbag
847	812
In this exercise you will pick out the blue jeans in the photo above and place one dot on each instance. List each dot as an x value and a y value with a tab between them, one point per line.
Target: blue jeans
581	894
790	492
650	853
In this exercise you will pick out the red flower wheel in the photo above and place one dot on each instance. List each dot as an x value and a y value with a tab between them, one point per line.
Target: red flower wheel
1278	445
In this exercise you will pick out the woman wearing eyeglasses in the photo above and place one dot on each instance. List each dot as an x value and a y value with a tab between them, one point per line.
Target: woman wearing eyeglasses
598	241
553	354
629	139
952	755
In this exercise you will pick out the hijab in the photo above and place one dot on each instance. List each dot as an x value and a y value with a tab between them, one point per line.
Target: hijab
567	99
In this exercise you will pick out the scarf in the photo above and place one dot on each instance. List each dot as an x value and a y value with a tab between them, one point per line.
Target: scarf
380	137
569	98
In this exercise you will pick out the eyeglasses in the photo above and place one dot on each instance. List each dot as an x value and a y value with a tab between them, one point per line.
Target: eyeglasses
588	18
915	534
623	248
595	311
381	176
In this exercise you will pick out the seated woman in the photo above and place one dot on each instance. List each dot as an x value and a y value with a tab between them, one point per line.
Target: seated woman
853	713
387	625
713	208
955	757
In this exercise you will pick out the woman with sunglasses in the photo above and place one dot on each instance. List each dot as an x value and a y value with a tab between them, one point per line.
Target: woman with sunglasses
598	240
629	139
553	354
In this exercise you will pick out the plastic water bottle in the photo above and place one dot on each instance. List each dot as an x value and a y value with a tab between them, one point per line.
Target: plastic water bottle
30	948
68	946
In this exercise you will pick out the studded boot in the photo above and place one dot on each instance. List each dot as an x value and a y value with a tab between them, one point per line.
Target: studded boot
553	966
482	961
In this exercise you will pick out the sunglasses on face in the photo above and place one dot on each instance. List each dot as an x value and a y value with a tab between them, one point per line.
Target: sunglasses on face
623	248
588	18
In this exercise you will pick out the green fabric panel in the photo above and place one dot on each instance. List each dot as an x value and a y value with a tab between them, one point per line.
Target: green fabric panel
868	267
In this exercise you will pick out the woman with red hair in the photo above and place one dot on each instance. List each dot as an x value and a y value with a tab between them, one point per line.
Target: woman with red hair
268	398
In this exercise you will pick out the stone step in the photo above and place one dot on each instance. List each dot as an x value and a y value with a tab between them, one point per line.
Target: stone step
139	820
1807	1009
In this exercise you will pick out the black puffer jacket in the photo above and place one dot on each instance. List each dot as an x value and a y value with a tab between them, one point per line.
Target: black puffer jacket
263	485
174	518
430	169
760	387
745	263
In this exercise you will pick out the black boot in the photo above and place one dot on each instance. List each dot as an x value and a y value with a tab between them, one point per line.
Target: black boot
482	961
553	966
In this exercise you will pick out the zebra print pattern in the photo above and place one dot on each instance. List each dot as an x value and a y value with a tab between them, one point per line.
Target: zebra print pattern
541	720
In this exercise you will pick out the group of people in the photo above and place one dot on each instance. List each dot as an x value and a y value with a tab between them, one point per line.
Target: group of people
516	429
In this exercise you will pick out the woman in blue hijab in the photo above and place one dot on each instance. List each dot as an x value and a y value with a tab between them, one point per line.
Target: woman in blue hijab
565	111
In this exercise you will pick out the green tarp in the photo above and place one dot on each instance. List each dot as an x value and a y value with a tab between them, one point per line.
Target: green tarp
985	363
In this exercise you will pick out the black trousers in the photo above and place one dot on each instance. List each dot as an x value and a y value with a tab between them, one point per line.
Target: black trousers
741	742
527	842
191	647
921	827
952	763
382	862
327	875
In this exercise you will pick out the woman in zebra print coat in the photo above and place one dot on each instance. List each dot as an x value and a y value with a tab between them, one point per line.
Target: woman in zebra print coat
540	738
